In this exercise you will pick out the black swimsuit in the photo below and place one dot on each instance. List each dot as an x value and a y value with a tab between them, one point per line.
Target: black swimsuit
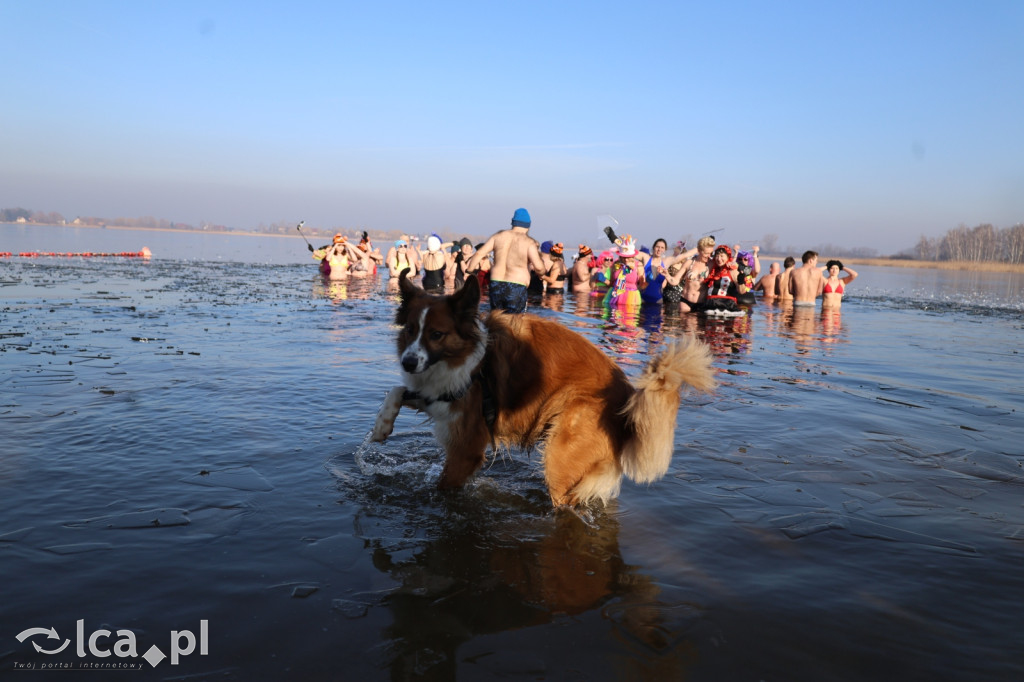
433	279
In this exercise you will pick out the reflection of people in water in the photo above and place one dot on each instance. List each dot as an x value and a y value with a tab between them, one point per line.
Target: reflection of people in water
554	302
808	329
585	302
800	321
342	290
730	336
623	330
831	325
464	584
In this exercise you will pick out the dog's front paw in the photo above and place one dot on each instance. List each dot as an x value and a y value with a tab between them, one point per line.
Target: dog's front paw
387	414
382	429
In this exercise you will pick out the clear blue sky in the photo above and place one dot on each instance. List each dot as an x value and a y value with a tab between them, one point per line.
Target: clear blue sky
853	123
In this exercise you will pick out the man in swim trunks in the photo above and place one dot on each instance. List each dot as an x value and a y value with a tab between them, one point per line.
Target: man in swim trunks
515	252
806	281
766	285
581	270
782	283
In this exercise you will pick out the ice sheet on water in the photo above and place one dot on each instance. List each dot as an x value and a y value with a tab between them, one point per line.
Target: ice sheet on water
79	547
147	518
237	478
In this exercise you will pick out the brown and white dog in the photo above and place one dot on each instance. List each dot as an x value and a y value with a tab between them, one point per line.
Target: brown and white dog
519	380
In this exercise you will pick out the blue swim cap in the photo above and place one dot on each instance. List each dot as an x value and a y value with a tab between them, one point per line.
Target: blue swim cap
545	247
521	218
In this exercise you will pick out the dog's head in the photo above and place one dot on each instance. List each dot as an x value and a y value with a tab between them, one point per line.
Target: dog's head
437	328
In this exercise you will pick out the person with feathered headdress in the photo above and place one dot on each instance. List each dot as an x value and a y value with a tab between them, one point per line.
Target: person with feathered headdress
627	276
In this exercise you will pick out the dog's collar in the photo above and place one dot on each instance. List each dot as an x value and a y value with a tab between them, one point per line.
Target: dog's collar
487	403
449	397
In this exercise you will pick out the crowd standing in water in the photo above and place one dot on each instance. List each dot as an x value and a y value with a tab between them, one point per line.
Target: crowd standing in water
340	260
711	278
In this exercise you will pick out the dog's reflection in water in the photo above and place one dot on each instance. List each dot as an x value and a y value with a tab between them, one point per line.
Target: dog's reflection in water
471	583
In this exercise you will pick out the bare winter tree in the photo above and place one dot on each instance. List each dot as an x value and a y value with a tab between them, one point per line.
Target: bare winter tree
1013	243
926	249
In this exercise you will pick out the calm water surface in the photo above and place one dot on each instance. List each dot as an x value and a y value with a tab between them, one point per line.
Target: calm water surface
185	440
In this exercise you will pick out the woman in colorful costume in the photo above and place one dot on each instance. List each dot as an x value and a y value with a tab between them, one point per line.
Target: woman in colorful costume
626	277
721	283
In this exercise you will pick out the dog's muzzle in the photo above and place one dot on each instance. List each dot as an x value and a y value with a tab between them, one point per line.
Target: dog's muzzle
415	361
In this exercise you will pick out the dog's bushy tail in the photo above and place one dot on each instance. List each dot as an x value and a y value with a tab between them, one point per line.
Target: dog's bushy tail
651	410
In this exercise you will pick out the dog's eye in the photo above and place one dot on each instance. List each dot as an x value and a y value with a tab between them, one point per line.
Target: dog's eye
436	335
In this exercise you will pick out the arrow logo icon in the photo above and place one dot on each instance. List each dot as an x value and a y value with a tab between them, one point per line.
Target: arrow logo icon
50	633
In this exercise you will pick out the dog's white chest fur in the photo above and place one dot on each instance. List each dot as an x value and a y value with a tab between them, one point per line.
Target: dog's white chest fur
432	385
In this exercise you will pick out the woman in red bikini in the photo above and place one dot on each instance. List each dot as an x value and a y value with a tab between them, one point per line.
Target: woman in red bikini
835	286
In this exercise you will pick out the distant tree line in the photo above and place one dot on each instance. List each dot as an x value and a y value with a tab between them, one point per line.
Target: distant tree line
983	243
13	215
834	251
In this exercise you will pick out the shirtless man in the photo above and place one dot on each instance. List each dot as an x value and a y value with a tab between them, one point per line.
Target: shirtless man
782	282
806	282
581	270
515	252
766	284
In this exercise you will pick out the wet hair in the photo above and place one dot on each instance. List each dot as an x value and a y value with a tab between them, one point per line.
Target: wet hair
839	263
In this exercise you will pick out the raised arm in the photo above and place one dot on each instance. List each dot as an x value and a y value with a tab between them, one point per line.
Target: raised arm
675	279
473	264
678	258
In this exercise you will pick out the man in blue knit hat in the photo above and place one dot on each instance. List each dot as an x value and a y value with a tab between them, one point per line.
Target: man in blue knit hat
515	252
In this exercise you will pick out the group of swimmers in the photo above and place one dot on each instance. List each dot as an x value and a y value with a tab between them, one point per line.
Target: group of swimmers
340	259
711	278
805	284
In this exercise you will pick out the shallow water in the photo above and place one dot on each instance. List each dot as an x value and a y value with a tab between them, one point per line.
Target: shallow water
186	441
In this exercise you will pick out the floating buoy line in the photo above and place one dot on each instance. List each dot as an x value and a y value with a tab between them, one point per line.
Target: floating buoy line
144	253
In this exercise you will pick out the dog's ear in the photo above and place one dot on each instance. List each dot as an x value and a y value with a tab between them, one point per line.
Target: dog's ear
409	291
466	301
